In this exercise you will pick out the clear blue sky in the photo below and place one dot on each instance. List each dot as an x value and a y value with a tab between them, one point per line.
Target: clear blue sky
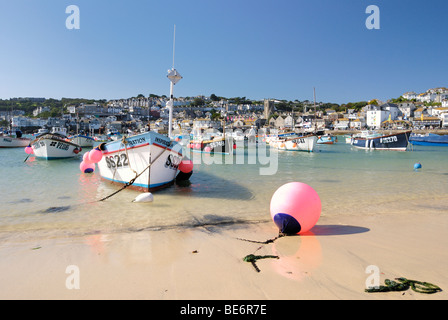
253	48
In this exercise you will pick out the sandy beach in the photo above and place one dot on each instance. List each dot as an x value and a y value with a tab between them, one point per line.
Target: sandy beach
207	262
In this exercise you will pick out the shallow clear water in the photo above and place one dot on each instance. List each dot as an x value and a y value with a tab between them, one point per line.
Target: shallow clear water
53	198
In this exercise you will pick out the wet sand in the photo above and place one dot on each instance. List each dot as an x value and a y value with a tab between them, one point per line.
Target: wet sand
207	263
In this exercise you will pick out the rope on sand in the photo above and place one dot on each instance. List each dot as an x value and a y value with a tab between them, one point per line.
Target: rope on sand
253	258
404	284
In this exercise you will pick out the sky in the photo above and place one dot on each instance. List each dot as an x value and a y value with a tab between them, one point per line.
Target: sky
258	49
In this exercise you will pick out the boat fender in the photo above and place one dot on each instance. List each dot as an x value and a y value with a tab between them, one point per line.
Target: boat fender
102	146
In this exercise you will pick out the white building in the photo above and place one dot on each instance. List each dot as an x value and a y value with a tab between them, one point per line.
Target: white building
410	95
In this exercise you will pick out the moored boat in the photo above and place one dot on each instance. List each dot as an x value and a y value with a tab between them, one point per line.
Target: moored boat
13	139
326	139
429	139
54	145
150	160
295	143
377	141
83	140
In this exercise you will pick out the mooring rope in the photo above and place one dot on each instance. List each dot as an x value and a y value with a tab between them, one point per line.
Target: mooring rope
253	258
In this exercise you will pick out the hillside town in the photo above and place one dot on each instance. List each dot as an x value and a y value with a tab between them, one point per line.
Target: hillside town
427	110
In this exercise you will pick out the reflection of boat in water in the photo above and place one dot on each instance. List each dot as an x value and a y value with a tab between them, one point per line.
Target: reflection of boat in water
429	139
377	141
54	145
13	139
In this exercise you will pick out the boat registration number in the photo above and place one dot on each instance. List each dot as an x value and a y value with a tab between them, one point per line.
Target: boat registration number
172	162
300	140
59	145
389	139
117	161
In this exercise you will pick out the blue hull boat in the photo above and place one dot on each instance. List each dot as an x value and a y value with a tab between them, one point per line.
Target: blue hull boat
430	139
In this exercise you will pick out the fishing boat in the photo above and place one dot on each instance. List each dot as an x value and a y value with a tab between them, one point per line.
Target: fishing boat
326	139
54	145
348	139
217	145
83	140
146	161
150	158
430	139
13	139
377	141
295	143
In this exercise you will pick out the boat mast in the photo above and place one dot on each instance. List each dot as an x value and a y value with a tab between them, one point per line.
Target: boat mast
315	123
174	77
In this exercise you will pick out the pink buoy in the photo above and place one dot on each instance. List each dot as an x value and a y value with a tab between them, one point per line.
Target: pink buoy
295	208
87	167
85	158
186	166
207	149
28	150
95	155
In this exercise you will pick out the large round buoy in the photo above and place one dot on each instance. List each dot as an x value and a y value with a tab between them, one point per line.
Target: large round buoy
186	166
295	208
29	150
87	167
95	155
207	149
85	158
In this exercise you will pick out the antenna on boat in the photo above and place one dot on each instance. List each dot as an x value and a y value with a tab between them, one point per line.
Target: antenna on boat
174	77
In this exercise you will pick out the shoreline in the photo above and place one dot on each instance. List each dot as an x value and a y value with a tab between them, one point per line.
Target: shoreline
206	262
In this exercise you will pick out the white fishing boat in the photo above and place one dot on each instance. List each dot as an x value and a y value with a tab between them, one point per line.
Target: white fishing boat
13	139
305	143
150	160
146	161
54	145
83	140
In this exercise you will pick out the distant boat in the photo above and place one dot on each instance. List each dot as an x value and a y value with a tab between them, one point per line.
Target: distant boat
326	139
54	145
152	155
217	145
348	139
83	140
295	143
13	139
429	139
377	141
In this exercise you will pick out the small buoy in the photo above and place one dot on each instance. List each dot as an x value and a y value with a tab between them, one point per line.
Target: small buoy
95	155
76	150
144	197
186	166
87	167
207	149
28	150
295	208
418	165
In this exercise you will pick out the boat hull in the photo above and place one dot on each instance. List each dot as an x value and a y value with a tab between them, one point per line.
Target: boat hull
217	146
301	143
83	141
430	140
398	142
51	147
125	162
11	142
326	140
